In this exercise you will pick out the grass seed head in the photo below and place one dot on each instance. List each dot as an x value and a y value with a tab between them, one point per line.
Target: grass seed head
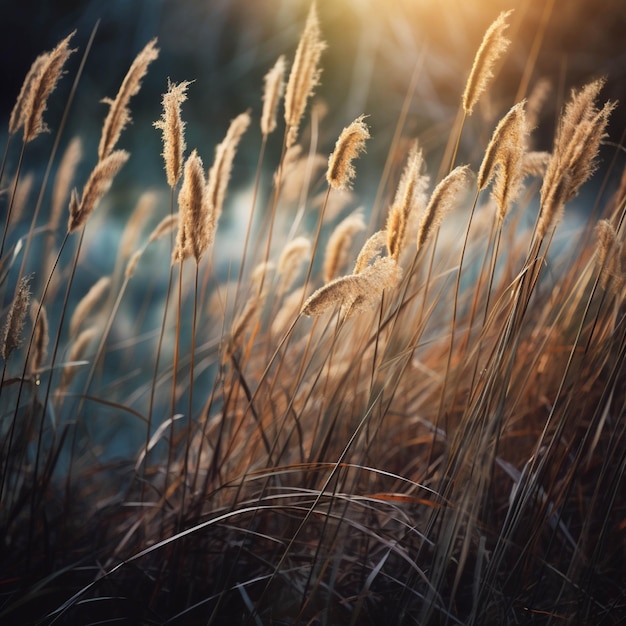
304	76
493	45
350	144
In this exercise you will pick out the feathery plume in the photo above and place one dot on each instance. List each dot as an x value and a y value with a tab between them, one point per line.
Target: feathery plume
581	129
18	113
119	114
87	303
504	158
14	324
173	129
370	249
193	204
295	253
355	292
304	76
350	144
339	291
97	185
219	174
493	45
273	92
409	194
441	201
384	273
40	337
339	244
39	83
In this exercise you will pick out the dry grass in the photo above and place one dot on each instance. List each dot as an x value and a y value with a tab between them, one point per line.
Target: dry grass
435	436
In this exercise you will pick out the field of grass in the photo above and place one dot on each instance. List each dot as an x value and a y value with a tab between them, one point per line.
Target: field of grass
288	404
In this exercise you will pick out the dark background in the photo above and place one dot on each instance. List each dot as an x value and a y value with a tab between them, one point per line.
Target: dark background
226	47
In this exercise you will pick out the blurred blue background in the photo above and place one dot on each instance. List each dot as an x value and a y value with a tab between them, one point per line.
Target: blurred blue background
227	46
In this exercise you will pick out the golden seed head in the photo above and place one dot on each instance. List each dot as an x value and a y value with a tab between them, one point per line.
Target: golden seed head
173	129
304	76
273	92
493	45
350	144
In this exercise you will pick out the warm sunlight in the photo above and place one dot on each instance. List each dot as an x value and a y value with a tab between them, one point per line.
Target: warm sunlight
313	313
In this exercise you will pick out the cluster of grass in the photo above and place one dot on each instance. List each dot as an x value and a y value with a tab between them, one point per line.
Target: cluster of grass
415	417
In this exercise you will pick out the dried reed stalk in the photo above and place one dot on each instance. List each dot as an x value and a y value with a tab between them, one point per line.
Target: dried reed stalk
441	201
350	144
39	83
504	158
173	129
39	349
295	253
581	129
409	194
119	113
304	76
97	185
219	174
11	337
273	92
493	45
87	303
194	209
339	244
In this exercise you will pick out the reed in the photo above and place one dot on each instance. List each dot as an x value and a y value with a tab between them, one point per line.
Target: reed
415	418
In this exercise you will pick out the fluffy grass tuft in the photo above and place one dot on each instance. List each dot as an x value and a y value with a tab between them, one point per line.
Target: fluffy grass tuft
413	419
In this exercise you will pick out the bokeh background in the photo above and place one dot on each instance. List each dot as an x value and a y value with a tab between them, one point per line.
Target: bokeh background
227	46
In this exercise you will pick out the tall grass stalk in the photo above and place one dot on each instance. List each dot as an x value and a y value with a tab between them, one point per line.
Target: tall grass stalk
408	418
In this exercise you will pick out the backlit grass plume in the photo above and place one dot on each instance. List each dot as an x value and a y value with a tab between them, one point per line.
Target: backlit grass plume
119	113
493	45
39	84
304	75
350	143
397	404
173	129
574	156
